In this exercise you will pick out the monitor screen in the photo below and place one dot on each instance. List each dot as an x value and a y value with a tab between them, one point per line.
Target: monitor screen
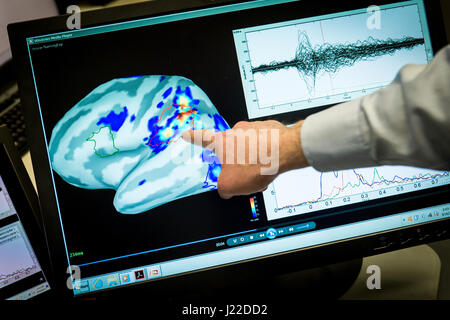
21	275
136	203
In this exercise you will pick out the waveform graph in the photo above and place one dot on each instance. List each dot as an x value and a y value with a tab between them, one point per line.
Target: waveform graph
19	262
308	190
313	62
302	64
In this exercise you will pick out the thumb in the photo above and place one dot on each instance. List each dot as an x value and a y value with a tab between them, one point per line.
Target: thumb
202	138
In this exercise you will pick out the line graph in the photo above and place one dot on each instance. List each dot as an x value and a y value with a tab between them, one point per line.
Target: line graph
307	190
306	63
19	262
17	273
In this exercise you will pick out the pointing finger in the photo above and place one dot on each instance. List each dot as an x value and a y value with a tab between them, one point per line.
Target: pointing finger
202	138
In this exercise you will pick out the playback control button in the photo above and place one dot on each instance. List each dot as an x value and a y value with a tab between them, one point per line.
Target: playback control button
270	234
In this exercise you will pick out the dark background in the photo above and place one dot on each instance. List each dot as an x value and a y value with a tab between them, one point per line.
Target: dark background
202	51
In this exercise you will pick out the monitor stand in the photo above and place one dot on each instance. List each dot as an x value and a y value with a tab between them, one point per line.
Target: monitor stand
321	283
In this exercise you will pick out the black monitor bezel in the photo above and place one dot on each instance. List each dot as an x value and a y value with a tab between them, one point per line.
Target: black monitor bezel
19	32
22	194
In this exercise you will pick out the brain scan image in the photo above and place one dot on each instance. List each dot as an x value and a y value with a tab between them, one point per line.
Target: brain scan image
126	135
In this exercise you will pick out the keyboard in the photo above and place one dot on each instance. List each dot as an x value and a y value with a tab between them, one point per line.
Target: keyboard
11	115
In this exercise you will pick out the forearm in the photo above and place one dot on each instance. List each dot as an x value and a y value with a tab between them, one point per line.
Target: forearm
291	150
403	124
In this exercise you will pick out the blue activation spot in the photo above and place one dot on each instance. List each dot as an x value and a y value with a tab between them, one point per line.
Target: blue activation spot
142	182
156	142
172	118
144	75
162	78
209	157
151	125
167	93
160	105
187	91
196	101
214	169
133	117
214	172
113	120
220	124
209	115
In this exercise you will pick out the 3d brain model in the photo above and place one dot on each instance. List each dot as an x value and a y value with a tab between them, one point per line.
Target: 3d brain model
126	135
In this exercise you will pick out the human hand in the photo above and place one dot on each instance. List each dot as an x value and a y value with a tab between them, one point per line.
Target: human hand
252	154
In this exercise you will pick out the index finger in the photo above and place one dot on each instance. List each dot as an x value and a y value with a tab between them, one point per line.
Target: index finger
202	138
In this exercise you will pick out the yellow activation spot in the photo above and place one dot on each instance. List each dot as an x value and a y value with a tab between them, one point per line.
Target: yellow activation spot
167	132
184	102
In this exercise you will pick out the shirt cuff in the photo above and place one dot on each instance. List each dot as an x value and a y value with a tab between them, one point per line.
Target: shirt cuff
337	138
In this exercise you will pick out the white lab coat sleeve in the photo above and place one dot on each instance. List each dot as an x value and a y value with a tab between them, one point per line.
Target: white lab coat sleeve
406	123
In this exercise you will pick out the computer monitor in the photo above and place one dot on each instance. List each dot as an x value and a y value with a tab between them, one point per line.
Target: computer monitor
23	254
106	105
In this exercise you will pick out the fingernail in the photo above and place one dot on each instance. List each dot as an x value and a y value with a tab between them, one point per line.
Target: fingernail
225	196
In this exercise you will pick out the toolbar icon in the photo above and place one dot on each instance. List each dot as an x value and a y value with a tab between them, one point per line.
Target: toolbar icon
125	278
139	274
112	281
154	272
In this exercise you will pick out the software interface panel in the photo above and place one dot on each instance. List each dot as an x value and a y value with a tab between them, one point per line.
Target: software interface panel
137	202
